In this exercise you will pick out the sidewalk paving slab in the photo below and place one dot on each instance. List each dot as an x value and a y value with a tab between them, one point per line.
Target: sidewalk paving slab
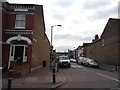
40	78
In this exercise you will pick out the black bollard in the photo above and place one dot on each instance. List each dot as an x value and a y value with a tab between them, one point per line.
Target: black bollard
54	79
10	78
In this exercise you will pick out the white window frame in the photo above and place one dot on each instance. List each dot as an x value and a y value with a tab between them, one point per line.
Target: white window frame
20	21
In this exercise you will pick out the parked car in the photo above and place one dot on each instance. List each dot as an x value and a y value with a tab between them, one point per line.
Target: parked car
73	60
82	60
91	63
64	61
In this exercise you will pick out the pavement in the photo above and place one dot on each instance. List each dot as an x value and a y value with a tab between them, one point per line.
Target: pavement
38	78
41	78
111	68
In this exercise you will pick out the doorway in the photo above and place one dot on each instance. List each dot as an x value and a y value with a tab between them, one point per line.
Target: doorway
19	52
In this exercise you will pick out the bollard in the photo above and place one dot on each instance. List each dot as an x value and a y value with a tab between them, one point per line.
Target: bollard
54	79
10	78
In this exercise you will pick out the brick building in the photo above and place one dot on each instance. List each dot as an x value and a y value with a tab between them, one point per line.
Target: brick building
24	42
81	50
105	50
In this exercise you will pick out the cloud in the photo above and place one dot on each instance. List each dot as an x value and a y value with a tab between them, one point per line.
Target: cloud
58	16
94	5
102	14
64	48
70	38
64	3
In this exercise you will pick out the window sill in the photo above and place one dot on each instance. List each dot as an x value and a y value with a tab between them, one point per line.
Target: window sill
19	28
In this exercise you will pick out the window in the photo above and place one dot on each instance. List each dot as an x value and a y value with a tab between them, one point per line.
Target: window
20	21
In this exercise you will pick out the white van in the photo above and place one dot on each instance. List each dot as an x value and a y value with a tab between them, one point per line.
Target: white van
64	61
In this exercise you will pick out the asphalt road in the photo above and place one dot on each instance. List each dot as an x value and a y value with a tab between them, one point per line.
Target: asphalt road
79	76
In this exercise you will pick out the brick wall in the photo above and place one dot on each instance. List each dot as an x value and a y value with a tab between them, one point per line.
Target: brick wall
39	50
41	46
107	53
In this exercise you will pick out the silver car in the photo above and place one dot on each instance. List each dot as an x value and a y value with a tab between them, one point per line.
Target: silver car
82	60
91	63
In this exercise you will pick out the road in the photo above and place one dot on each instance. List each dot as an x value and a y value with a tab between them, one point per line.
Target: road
79	76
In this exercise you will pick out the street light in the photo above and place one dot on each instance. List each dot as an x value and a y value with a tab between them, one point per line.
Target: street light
51	43
52	31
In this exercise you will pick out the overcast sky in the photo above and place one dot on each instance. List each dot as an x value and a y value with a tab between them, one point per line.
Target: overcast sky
80	19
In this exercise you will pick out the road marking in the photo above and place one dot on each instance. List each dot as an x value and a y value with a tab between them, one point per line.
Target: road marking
69	78
76	66
107	76
84	69
79	67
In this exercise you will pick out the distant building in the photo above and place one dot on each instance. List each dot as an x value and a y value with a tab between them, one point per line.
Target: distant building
24	42
70	53
106	49
62	53
81	50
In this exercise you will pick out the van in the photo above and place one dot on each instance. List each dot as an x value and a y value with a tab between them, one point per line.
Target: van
64	61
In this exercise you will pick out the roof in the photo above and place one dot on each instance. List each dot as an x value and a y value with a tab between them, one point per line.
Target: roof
111	27
20	4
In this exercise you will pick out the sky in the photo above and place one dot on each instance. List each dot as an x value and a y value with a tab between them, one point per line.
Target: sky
80	20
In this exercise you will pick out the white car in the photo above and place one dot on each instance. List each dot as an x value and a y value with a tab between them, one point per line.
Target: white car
82	60
73	60
64	61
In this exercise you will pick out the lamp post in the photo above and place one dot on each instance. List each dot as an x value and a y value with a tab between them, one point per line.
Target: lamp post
51	44
52	31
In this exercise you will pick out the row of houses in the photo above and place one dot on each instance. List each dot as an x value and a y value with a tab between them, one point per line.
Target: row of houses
106	49
24	43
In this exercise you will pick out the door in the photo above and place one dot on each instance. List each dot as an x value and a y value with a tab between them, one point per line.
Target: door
18	53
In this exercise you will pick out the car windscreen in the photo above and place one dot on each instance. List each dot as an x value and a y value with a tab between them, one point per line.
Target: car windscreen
63	58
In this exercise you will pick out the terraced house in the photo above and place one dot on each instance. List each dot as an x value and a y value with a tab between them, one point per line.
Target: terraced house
24	42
